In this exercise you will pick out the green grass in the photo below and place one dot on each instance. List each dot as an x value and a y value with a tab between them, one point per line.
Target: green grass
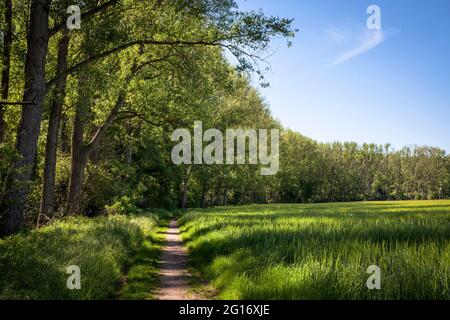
33	264
322	251
143	274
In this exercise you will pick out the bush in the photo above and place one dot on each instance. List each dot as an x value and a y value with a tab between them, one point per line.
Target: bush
33	265
122	206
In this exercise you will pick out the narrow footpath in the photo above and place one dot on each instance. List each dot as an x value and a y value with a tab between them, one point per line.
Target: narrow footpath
174	275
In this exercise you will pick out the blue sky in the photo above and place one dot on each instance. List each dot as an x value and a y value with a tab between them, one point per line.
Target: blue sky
342	82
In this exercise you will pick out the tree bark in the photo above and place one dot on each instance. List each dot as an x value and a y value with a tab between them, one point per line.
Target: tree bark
6	63
79	154
64	135
48	183
78	165
94	153
17	183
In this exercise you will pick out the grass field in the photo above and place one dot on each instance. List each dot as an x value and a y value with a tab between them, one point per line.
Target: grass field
322	251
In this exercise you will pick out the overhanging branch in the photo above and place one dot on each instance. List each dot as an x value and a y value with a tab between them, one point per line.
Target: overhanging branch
126	46
85	15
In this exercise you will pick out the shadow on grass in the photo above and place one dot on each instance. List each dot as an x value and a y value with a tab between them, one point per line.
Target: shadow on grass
321	250
33	264
142	276
255	265
338	207
351	227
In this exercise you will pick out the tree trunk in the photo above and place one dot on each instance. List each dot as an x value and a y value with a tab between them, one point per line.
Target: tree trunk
64	135
203	196
78	165
17	183
128	154
94	153
79	156
129	146
225	196
185	185
184	195
81	151
6	63
48	183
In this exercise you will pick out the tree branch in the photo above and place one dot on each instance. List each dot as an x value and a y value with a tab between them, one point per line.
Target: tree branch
112	115
85	15
129	45
132	114
6	103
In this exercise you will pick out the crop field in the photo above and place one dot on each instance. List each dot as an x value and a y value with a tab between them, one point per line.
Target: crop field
322	251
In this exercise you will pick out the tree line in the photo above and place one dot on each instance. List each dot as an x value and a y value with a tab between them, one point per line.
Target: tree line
318	172
81	97
86	115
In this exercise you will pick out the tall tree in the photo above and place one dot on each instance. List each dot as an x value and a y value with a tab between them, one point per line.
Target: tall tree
6	64
17	185
56	106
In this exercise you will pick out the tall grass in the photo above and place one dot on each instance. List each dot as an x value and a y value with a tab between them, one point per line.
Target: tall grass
143	275
322	251
33	265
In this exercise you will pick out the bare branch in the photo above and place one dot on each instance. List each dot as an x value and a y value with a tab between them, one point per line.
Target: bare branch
6	103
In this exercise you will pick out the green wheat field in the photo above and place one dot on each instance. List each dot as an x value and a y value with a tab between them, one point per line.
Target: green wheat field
322	251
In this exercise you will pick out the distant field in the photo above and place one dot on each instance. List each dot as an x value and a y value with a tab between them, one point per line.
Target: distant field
322	251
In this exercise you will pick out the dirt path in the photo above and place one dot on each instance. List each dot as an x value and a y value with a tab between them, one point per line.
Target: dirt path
174	274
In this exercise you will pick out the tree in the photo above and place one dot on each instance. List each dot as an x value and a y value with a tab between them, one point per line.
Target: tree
196	24
13	201
48	183
6	63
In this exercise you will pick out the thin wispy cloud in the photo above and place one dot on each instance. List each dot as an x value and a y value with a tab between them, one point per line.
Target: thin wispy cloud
372	39
338	36
364	41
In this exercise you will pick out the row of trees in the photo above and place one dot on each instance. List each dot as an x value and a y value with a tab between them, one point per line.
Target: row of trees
86	115
316	172
327	172
133	72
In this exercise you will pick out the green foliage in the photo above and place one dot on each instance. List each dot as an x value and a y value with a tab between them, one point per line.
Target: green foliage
122	206
7	154
33	265
317	172
322	251
175	85
167	62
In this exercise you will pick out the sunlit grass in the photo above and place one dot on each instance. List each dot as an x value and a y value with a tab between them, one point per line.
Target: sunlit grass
143	275
322	251
33	265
